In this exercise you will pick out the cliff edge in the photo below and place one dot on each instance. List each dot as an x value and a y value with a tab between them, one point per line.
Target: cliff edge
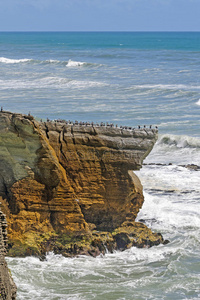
68	187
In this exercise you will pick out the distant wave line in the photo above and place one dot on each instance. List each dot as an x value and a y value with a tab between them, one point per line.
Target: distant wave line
56	82
167	87
13	61
67	63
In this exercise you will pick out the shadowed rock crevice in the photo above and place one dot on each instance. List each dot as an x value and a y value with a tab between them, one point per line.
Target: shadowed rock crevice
46	131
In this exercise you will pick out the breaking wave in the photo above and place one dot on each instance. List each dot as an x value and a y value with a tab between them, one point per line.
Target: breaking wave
180	141
72	63
14	61
178	149
69	63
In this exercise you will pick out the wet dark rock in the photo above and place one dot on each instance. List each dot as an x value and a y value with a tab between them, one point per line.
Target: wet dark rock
166	242
192	167
122	240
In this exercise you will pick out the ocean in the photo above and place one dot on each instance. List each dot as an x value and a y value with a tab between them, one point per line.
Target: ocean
127	78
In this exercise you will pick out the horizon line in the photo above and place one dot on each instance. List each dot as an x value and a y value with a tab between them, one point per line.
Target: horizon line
103	31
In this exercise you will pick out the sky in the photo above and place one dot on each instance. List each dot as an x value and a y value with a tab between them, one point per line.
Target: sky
99	15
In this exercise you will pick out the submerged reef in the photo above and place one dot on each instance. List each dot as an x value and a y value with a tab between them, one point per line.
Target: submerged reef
69	187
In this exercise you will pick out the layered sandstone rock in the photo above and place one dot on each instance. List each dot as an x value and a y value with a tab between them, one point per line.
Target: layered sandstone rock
97	161
64	184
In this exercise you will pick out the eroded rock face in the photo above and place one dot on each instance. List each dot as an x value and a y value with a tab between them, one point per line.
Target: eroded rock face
97	161
61	183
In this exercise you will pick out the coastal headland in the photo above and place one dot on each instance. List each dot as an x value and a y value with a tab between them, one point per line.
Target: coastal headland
70	188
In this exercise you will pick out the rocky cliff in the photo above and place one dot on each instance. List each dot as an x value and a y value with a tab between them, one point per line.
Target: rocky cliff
7	286
69	187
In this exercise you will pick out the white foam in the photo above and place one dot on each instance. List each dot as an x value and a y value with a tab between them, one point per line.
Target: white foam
13	61
171	197
169	213
172	178
72	63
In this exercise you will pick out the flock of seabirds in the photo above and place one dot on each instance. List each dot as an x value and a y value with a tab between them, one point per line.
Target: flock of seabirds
102	124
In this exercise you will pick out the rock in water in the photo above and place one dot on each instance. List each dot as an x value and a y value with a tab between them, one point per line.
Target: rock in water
67	186
7	286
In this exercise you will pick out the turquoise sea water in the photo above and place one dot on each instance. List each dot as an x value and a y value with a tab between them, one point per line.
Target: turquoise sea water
122	77
128	79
